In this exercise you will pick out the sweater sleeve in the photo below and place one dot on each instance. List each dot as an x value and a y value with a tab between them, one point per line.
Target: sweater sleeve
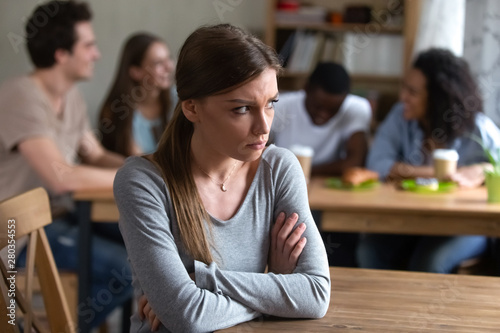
490	134
179	303
303	294
385	149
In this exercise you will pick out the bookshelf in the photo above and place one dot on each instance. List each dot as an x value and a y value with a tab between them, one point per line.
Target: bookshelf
374	53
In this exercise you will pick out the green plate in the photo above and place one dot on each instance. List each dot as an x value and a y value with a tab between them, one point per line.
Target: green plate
337	183
443	187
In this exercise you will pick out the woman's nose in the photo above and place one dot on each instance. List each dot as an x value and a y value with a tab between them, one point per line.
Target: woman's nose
263	123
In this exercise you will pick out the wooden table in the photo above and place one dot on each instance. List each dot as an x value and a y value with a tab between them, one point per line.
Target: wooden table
388	210
364	300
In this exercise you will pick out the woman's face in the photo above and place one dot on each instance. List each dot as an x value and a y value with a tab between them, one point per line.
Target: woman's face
157	68
414	95
237	123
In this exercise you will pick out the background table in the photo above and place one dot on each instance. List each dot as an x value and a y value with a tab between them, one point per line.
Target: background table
385	209
364	300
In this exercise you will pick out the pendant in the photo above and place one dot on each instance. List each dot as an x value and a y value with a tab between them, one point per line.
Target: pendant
223	188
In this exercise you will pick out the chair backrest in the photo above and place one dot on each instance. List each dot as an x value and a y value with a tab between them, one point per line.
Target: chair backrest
26	215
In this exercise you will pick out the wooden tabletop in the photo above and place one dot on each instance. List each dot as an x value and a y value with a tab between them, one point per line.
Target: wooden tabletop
103	208
386	197
94	195
382	301
385	209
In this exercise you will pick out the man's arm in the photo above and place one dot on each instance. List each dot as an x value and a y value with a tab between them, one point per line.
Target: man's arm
46	159
93	153
356	150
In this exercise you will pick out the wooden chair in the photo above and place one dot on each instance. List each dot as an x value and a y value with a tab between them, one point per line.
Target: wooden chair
27	214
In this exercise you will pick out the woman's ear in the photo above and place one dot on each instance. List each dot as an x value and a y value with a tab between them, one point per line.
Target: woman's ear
135	73
190	108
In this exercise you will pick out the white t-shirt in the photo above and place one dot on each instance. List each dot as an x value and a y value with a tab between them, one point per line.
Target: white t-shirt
293	125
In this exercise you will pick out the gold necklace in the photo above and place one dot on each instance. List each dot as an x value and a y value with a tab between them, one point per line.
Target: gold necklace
222	185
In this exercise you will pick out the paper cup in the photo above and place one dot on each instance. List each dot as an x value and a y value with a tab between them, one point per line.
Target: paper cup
445	163
304	155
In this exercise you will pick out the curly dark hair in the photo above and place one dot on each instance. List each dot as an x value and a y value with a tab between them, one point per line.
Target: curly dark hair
453	95
331	77
52	27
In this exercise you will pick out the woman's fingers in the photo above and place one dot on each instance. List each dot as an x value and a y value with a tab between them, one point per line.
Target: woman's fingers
285	231
141	303
156	324
287	244
145	311
293	239
151	317
276	229
297	250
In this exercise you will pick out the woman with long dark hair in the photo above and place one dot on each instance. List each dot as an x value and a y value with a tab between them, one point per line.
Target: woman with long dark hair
215	222
137	107
440	107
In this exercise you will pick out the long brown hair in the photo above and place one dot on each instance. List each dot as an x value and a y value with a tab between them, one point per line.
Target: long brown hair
212	60
115	119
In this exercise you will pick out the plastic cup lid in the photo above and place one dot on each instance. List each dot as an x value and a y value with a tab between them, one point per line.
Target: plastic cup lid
445	154
301	150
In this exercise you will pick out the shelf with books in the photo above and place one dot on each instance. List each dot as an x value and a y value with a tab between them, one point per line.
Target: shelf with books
374	52
394	79
343	27
370	55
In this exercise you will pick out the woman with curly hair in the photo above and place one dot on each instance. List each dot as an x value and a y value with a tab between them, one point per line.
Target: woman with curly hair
440	108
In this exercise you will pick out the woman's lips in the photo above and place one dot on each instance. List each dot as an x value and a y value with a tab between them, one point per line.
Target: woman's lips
257	145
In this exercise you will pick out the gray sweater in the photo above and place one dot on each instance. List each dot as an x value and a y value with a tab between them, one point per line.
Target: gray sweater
234	288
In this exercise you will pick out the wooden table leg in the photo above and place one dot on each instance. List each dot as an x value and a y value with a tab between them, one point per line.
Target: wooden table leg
85	266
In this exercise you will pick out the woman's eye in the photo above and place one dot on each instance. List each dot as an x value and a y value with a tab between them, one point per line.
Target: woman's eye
270	105
242	109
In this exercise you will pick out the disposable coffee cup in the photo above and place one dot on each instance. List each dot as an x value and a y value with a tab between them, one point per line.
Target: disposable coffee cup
304	155
445	163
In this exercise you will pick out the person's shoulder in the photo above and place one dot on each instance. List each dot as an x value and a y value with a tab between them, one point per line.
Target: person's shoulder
17	85
282	165
356	99
18	93
396	114
136	169
275	156
357	104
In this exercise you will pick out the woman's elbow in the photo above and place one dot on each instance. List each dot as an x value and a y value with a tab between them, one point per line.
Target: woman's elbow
322	309
322	306
321	302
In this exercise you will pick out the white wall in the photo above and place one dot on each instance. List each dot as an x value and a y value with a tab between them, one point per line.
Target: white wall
114	20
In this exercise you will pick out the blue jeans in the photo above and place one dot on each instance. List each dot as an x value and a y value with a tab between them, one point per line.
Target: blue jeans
418	253
111	275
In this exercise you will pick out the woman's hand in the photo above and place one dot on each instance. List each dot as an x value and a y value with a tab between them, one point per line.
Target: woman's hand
286	244
470	176
145	311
